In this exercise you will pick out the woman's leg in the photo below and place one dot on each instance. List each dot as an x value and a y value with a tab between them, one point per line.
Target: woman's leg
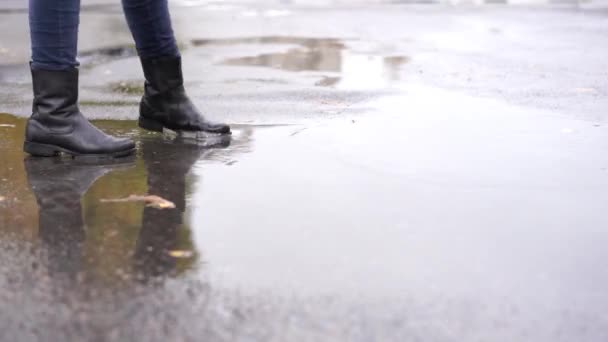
165	103
54	33
150	24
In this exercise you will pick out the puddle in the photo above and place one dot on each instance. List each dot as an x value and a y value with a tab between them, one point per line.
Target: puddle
287	221
72	192
346	67
316	58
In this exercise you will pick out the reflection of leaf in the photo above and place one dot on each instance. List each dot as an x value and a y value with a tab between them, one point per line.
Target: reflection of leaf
150	200
181	254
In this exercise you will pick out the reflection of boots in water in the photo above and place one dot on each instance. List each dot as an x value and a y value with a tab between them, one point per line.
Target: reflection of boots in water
167	164
59	186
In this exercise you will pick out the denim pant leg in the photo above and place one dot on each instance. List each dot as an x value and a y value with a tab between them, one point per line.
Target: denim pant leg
54	33
150	25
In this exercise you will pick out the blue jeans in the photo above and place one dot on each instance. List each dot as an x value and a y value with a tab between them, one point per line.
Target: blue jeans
54	31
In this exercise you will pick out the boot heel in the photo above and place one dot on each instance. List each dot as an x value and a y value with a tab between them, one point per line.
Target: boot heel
39	150
150	125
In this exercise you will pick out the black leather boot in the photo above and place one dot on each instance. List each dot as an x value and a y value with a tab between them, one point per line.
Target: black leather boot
165	103
56	124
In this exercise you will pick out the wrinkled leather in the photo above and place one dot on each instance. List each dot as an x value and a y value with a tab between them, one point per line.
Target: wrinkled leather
56	119
165	100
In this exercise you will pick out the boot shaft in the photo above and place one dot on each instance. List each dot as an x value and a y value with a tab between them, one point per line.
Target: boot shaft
55	93
165	103
163	75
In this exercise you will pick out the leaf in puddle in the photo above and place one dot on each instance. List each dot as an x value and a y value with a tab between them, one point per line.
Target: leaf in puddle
2	198
585	90
111	233
150	201
181	254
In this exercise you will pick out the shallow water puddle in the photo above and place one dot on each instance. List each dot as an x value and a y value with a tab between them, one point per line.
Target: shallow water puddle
438	213
130	209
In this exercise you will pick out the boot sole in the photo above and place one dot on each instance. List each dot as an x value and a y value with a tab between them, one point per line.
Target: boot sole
45	150
155	126
150	125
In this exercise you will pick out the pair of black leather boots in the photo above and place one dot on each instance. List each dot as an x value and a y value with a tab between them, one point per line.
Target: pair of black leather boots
57	125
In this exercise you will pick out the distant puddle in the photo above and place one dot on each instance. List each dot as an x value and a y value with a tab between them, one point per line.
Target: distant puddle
347	68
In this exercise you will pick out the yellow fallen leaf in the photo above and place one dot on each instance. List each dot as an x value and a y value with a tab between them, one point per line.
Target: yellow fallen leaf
150	200
585	90
111	233
181	254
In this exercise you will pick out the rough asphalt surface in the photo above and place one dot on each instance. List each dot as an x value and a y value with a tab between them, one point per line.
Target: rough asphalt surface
396	173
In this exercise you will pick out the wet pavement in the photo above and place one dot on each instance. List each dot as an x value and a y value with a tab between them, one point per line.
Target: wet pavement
443	182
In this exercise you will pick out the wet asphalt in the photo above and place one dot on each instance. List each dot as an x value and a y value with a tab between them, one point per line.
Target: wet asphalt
396	173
